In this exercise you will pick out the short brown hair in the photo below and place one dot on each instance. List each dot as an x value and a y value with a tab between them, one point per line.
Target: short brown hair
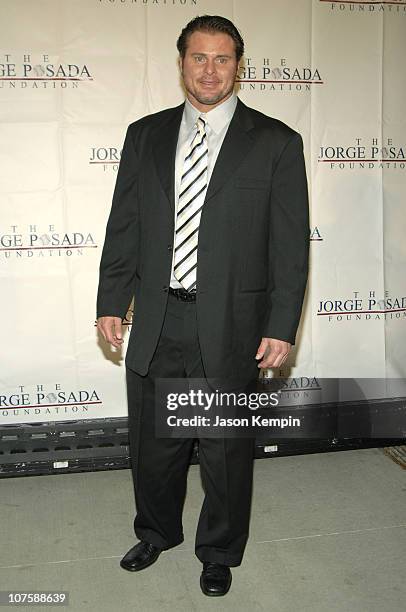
211	23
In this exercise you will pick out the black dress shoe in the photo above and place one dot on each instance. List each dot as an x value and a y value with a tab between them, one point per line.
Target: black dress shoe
215	579
140	556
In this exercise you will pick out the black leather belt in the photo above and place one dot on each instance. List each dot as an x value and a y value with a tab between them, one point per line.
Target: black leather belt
182	294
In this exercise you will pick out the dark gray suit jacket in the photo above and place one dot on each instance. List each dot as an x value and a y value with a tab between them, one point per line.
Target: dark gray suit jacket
253	240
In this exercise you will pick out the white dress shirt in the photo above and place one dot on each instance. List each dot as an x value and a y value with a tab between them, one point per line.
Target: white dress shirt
217	122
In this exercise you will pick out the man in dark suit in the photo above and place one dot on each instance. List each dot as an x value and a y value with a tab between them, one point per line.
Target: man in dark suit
209	231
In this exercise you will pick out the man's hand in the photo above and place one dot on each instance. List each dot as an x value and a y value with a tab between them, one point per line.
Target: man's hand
273	352
111	329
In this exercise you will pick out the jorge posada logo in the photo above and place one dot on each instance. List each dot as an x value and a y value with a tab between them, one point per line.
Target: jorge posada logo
34	241
366	6
106	157
264	75
40	71
47	401
363	308
363	153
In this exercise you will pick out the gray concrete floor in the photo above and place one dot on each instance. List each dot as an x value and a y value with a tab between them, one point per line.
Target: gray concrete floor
327	535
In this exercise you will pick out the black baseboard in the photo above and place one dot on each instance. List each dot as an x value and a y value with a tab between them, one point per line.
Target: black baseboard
102	444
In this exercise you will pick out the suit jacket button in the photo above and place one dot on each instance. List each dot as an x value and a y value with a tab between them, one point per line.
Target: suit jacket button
165	288
170	247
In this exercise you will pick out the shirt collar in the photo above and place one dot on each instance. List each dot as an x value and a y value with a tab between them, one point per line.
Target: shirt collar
217	118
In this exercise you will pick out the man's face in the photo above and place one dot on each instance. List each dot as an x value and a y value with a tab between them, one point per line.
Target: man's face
209	69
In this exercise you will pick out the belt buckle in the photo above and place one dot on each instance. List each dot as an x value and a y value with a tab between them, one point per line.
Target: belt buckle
187	297
182	294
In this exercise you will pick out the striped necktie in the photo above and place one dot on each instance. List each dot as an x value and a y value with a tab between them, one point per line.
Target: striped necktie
192	193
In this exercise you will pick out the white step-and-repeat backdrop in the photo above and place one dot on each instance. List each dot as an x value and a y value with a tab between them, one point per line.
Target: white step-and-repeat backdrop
75	73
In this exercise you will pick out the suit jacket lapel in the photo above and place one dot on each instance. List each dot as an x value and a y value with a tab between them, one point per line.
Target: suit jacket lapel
236	145
165	141
237	142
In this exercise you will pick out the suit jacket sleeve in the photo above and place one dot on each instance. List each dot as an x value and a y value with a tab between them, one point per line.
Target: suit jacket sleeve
289	242
118	260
